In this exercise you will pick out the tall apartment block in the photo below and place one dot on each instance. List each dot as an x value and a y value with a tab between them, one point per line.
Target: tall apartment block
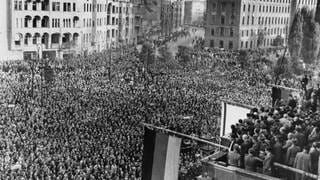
59	28
238	24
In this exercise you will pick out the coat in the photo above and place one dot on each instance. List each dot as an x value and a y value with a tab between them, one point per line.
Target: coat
268	165
291	154
314	156
251	163
303	162
234	158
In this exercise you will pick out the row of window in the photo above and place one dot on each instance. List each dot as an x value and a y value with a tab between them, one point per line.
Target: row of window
264	20
253	43
20	5
244	44
55	38
88	7
37	6
267	31
38	22
276	1
222	44
87	37
271	9
100	21
67	7
222	31
307	2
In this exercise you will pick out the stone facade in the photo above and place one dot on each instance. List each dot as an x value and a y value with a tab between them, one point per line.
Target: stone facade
248	24
59	28
194	11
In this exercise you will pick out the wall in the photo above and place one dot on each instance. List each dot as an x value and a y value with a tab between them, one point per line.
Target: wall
219	172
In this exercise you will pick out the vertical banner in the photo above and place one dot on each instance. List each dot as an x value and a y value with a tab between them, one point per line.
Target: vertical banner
160	156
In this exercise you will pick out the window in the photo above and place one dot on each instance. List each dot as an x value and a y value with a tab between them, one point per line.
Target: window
241	44
55	39
223	7
252	20
244	7
16	5
232	19
214	7
222	31
66	7
231	32
243	20
35	39
246	44
20	6
74	7
212	32
230	45
55	6
34	5
26	5
211	43
221	44
222	19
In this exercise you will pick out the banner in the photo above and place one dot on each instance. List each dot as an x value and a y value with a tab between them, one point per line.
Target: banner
230	114
160	156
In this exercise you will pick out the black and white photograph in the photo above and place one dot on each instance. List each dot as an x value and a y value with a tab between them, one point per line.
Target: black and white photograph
160	90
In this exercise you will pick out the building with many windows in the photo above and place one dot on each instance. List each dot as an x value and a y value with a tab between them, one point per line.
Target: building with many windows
194	11
59	28
247	24
171	16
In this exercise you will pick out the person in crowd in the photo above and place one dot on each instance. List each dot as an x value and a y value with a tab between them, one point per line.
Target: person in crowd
245	146
314	157
292	152
314	136
234	156
268	167
251	161
302	162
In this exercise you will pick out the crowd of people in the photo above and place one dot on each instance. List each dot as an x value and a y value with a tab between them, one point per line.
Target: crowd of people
288	133
85	123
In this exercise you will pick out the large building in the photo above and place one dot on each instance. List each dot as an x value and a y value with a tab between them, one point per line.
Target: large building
59	28
157	17
171	16
248	24
194	12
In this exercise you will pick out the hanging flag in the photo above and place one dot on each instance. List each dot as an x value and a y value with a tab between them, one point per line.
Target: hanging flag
160	156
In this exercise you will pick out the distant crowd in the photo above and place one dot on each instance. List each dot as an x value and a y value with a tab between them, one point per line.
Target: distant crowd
83	122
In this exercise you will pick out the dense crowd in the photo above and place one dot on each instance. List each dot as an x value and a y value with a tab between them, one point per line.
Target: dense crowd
85	123
288	133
